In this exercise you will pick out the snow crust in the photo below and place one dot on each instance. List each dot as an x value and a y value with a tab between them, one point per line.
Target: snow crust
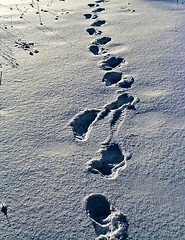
92	119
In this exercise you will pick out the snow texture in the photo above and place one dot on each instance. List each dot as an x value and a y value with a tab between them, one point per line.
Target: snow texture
92	119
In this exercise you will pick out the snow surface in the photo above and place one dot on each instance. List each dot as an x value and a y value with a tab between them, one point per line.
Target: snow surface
92	123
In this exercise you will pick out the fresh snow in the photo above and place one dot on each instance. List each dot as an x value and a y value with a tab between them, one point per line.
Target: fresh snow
92	119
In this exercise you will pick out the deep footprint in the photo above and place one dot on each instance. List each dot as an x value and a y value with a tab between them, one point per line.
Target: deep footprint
100	1
98	207
91	31
111	78
98	10
124	100
102	41
87	16
109	161
81	123
126	82
108	224
111	63
91	4
94	49
98	23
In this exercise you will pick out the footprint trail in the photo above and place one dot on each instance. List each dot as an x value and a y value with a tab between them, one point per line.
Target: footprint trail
110	159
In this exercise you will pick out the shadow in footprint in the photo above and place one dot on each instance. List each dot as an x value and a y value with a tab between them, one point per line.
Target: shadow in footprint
91	31
94	49
123	101
91	4
88	15
108	224
111	78
81	123
98	207
98	23
100	1
102	40
110	159
111	63
98	10
126	82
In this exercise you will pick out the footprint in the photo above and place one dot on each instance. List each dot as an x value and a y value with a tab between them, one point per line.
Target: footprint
126	82
27	46
95	16
81	123
111	63
111	78
98	23
91	4
100	1
108	224
98	207
102	40
94	49
108	161
92	31
98	10
123	101
88	15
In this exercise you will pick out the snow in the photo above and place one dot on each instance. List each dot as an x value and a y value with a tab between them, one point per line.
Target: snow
65	109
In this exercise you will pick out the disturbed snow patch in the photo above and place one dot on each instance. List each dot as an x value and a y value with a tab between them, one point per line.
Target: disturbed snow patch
110	63
111	78
81	122
108	224
108	161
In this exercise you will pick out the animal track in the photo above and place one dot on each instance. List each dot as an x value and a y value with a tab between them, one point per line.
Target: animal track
111	63
102	40
98	23
81	123
110	159
26	46
108	224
